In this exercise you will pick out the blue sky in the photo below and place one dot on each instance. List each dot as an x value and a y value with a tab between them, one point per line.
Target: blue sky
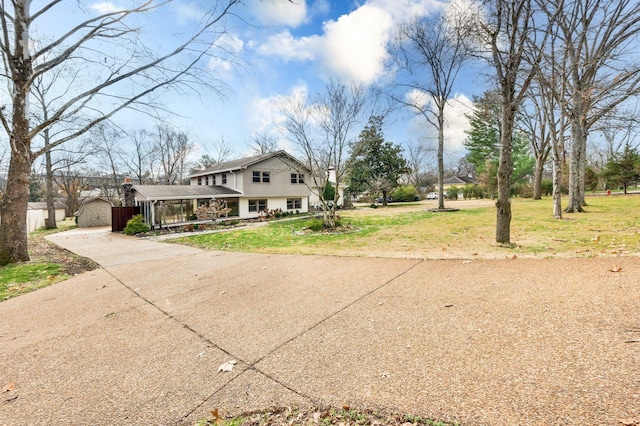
286	50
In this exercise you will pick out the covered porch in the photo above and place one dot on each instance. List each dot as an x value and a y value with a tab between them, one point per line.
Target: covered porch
164	206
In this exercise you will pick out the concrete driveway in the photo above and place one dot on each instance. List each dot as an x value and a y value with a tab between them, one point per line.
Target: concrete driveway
141	340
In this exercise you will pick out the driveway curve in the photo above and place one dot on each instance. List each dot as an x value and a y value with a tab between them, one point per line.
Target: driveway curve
488	342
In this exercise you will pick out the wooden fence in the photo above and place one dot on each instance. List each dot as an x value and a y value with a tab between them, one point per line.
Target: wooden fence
121	215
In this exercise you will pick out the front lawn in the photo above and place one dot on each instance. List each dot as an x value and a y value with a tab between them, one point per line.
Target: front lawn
609	227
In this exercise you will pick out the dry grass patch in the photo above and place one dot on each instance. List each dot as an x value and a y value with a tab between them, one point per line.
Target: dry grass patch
608	228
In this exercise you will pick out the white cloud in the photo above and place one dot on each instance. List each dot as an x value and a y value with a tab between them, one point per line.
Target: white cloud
225	48
353	47
455	126
285	46
267	113
277	12
105	7
188	12
355	44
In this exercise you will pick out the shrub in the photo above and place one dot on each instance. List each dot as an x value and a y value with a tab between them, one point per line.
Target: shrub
136	225
316	225
404	193
452	192
473	191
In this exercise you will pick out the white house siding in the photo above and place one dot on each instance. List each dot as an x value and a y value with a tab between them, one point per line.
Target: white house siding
273	203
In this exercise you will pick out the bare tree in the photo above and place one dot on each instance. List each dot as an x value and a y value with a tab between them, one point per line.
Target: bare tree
106	140
321	129
598	38
417	156
434	52
173	148
533	124
141	160
515	45
109	84
263	143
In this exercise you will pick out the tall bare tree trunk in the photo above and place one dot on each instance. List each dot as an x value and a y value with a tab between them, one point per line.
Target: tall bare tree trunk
51	208
537	176
13	228
505	172
577	160
441	157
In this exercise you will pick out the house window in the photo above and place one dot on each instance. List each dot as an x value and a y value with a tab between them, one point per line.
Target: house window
257	205
294	203
214	179
297	178
206	180
224	178
264	177
199	181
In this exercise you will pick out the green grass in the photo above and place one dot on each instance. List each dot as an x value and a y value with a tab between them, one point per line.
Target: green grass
16	279
610	226
20	278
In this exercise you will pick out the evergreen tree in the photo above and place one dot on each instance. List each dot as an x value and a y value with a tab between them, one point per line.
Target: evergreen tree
375	164
623	168
483	144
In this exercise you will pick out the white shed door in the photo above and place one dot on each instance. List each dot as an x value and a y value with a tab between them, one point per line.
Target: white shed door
97	215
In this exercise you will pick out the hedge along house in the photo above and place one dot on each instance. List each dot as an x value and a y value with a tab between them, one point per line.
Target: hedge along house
263	182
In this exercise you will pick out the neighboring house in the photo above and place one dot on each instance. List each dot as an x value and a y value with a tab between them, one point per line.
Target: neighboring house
37	214
94	211
248	186
314	199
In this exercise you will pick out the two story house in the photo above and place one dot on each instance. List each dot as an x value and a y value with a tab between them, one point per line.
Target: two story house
247	185
269	181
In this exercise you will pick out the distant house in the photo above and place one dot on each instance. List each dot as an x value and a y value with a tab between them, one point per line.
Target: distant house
37	214
248	186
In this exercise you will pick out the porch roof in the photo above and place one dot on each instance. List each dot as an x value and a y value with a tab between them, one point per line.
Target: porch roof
181	192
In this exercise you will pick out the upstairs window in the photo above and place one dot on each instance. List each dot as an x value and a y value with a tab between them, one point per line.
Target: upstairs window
224	178
200	181
206	180
214	179
264	177
297	178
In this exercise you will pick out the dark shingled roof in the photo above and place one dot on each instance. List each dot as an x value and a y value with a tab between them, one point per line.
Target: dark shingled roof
183	192
243	163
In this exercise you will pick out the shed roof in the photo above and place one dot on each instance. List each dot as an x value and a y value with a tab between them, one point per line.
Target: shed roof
90	200
42	205
183	192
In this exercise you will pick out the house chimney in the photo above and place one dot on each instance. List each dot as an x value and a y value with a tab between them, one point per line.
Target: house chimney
127	192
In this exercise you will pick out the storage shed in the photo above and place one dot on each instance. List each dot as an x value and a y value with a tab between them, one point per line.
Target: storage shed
37	214
94	211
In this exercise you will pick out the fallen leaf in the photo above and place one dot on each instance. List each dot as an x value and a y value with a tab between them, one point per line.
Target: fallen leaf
627	422
616	269
216	416
227	366
466	262
448	305
11	386
346	407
